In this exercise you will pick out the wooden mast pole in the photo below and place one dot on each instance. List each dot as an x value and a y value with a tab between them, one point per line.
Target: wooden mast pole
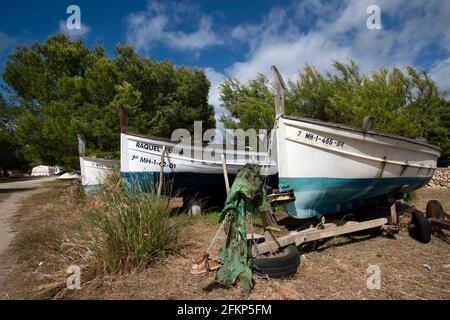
123	120
81	145
225	173
161	172
279	91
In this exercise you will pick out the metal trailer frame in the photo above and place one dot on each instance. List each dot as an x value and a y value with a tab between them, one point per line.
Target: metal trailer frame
437	217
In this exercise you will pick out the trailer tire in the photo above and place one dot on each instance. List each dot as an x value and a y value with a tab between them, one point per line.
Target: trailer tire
278	267
279	274
434	209
422	230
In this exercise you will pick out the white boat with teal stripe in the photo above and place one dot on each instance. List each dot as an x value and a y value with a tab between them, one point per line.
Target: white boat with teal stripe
332	167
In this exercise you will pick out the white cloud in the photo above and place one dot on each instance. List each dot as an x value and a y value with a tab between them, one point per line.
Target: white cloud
75	33
338	32
216	78
6	42
441	74
313	32
157	25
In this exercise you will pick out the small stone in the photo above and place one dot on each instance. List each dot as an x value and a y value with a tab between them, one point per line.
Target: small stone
196	210
427	266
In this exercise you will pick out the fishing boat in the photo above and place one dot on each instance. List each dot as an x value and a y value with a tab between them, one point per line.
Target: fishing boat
331	167
93	170
194	169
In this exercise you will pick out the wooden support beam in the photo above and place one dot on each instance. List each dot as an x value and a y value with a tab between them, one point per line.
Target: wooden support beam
225	173
281	197
175	203
313	234
444	224
161	172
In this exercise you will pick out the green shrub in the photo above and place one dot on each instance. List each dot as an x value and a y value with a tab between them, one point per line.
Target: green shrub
134	227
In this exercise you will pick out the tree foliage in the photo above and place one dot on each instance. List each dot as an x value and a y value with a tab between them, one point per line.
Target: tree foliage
10	153
65	88
250	105
404	103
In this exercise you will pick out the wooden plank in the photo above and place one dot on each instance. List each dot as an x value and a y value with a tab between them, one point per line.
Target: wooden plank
445	224
175	203
314	234
281	197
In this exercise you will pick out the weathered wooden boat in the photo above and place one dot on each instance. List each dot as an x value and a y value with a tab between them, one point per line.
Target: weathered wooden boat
93	170
332	167
194	170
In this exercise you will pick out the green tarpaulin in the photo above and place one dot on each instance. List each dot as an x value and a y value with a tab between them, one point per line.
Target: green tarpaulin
246	196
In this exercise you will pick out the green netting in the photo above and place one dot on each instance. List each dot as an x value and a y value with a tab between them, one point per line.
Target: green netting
246	196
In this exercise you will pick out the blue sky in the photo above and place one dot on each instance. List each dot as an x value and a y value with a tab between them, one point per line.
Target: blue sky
240	39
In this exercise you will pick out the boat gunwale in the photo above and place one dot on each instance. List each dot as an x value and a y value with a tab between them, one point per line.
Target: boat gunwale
362	156
112	162
192	159
175	143
354	129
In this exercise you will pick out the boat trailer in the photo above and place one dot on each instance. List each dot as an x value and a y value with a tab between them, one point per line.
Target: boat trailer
244	252
322	230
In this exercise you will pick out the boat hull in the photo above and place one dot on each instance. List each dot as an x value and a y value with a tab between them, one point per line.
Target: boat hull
194	171
331	168
94	171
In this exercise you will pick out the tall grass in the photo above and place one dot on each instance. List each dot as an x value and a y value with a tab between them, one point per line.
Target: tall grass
120	229
134	226
412	197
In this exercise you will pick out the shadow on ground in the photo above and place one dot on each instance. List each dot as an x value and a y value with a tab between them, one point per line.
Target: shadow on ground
18	179
14	190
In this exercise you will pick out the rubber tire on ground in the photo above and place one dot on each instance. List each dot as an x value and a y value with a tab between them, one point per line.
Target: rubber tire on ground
430	205
280	266
422	230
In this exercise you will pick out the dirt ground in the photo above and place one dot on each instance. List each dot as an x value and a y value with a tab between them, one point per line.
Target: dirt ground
14	192
336	269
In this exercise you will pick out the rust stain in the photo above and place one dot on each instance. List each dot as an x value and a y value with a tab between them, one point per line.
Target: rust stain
383	165
404	167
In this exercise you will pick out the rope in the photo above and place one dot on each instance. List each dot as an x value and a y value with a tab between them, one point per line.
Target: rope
216	236
254	242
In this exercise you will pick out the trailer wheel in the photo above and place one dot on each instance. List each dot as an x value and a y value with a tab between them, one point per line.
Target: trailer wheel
279	266
422	230
434	210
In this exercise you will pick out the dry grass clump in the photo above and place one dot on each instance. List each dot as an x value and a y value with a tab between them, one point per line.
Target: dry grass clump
121	229
132	228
